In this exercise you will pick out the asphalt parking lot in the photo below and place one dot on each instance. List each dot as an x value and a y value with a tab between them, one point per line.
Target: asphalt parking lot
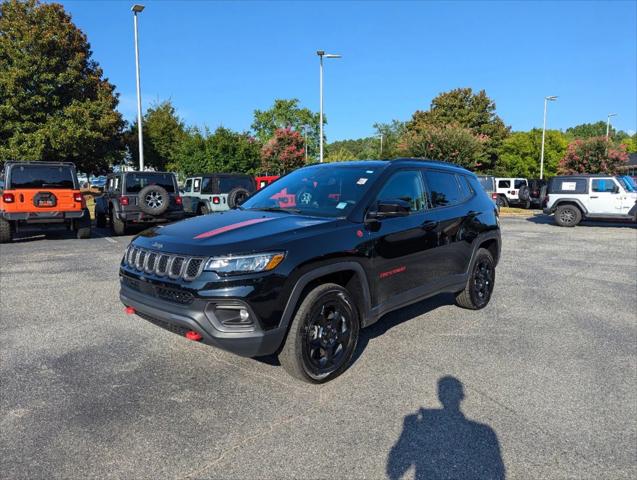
548	371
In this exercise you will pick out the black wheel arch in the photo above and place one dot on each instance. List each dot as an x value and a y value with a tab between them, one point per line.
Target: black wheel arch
349	274
570	201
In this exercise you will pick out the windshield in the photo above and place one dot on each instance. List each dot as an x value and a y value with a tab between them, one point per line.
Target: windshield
136	181
321	190
41	176
628	183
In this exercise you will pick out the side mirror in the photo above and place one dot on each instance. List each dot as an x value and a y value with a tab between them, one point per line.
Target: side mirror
390	209
615	189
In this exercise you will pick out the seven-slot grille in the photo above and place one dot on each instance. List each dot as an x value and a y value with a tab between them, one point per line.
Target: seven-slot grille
164	264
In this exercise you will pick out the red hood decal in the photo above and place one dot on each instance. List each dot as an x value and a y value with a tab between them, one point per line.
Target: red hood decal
232	226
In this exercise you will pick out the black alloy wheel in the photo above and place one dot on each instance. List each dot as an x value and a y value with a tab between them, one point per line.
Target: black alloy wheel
477	292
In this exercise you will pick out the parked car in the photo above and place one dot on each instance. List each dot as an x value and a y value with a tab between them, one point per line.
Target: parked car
537	191
513	192
216	192
134	198
364	238
574	198
98	182
42	196
265	180
488	183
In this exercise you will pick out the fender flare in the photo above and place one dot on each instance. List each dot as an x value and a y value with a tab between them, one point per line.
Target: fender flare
479	240
570	200
294	298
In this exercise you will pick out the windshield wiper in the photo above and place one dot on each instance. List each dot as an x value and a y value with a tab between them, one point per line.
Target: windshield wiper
277	209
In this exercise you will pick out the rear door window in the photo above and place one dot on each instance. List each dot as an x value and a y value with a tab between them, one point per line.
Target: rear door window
206	185
443	189
41	176
136	181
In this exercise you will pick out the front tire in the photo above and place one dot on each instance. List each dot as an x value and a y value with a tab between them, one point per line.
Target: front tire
323	335
567	215
477	293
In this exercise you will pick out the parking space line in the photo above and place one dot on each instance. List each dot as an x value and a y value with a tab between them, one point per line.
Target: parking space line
109	239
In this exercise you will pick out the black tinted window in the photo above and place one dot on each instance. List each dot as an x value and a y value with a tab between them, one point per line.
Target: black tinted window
519	184
504	184
405	185
206	185
136	181
488	183
568	185
443	189
41	176
465	188
228	183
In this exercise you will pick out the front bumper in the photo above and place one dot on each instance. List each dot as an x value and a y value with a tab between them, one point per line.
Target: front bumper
182	318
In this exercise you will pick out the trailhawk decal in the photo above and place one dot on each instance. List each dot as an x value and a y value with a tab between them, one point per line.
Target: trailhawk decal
232	226
394	271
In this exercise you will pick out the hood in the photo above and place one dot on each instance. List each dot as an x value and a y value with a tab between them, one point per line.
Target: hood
234	231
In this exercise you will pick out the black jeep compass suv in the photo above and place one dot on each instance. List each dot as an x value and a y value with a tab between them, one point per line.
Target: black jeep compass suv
308	261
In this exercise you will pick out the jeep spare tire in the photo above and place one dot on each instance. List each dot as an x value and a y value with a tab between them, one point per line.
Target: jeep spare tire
153	200
237	196
524	194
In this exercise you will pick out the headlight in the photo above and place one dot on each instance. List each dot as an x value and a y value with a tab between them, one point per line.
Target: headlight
260	262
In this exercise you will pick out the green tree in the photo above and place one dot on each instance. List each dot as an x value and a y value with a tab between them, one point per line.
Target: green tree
588	130
359	149
287	114
473	111
338	155
55	103
392	134
449	143
519	154
630	142
284	152
163	133
223	151
593	155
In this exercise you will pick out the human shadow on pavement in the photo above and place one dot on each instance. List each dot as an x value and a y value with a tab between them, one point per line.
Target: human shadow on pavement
441	443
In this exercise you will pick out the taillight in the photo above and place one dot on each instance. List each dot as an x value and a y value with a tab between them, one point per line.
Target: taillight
494	196
123	201
178	200
216	200
78	197
8	198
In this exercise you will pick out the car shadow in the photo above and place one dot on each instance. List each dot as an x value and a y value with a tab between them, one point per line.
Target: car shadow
548	220
442	443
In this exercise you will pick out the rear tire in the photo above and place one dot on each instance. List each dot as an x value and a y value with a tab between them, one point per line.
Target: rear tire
568	215
83	233
100	220
477	293
5	231
323	335
119	226
502	201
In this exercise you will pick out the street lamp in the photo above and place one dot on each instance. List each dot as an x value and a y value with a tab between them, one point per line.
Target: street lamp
138	9
305	127
552	98
322	54
608	123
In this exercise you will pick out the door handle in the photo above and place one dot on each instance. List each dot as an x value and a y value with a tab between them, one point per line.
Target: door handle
429	225
594	196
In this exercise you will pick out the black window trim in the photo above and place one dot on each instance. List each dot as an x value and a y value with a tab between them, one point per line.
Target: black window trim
455	175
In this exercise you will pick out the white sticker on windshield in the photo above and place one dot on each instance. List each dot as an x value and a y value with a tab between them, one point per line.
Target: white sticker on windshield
361	181
568	186
369	171
341	205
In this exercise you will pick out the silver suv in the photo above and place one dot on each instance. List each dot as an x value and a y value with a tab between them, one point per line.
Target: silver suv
573	198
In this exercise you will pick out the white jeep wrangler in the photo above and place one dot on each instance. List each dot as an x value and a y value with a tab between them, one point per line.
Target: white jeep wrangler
573	198
512	191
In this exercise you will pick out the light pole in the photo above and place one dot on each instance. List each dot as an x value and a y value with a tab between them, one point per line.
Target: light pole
546	100
322	54
380	155
138	9
305	140
608	123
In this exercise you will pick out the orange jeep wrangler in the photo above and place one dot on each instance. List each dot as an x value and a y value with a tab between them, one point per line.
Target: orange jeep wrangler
41	196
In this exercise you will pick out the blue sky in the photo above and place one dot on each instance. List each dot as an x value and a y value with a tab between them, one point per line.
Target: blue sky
218	61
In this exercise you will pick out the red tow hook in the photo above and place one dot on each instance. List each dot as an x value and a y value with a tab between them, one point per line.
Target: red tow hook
129	311
194	336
